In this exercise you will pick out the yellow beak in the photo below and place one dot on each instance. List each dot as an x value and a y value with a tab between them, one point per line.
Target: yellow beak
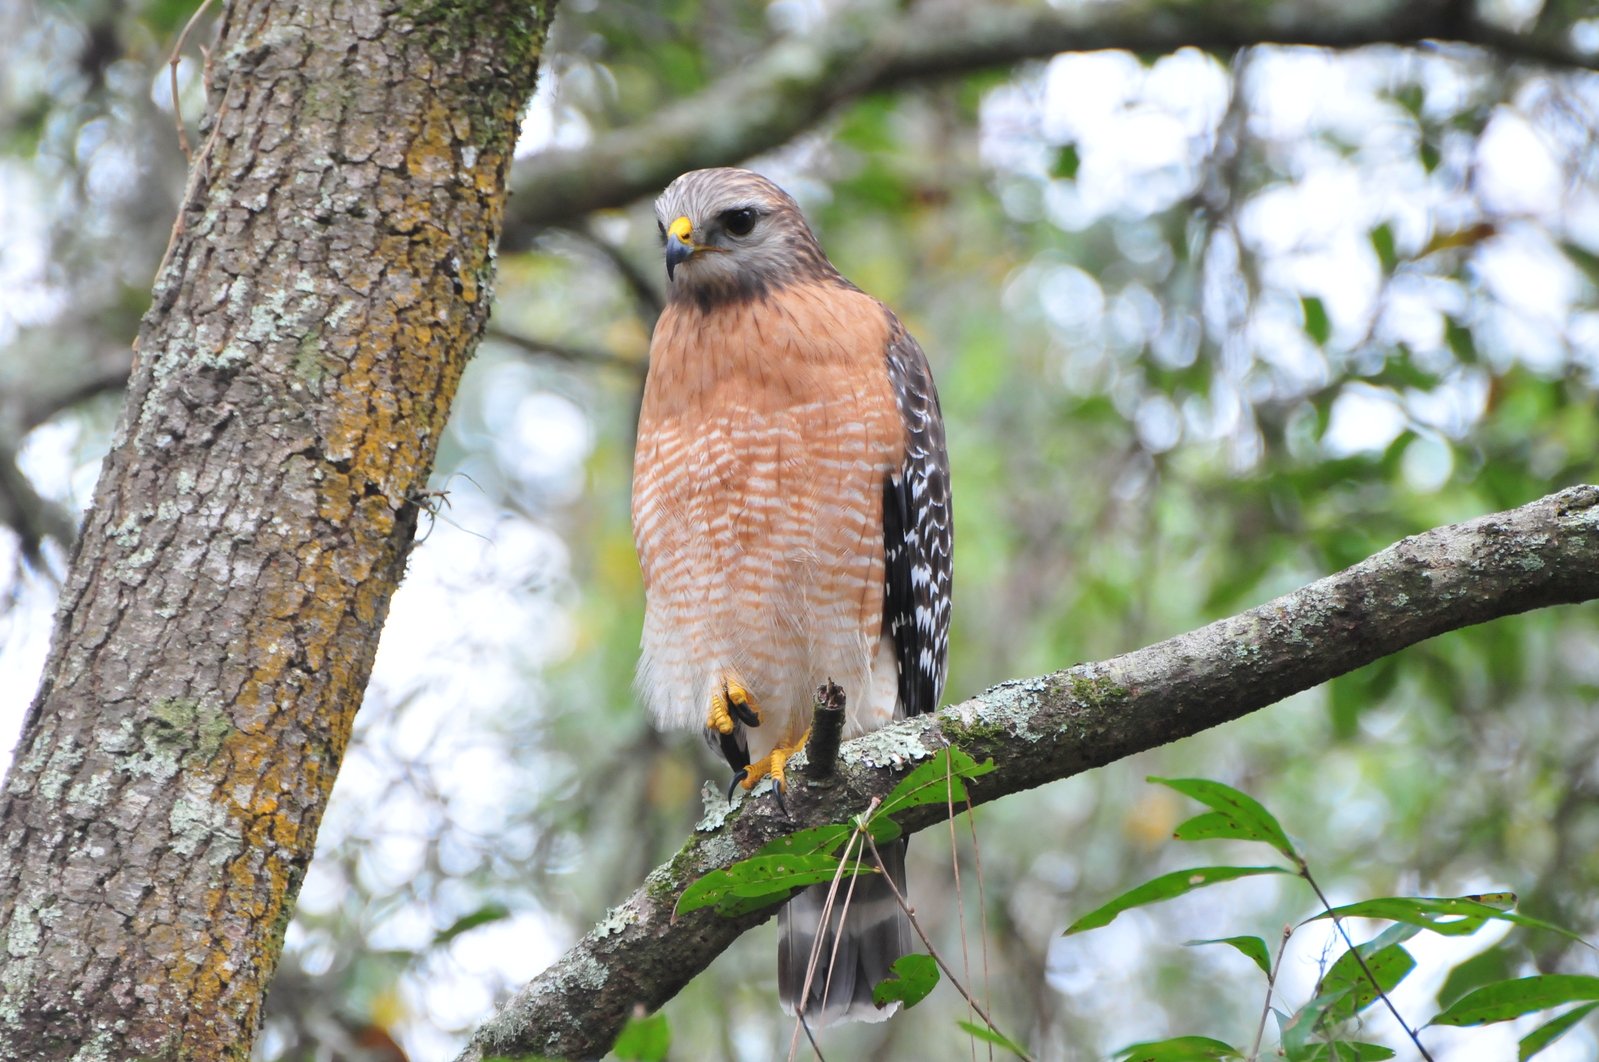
679	244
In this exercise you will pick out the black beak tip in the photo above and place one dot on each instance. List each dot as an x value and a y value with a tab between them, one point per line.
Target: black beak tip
677	252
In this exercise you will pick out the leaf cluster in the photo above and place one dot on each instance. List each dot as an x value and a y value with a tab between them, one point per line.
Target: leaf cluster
1326	1026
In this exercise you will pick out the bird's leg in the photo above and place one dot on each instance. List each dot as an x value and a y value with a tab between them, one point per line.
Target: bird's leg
730	705
772	764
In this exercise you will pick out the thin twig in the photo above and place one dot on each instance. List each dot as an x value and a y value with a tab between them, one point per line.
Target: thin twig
192	188
910	913
1304	872
96	379
982	898
960	899
816	943
565	352
172	65
832	957
1271	982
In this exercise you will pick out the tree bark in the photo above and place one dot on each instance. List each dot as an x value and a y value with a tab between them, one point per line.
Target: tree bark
326	284
1054	726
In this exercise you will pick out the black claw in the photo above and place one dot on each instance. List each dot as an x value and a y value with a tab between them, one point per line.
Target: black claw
744	712
734	750
777	791
738	776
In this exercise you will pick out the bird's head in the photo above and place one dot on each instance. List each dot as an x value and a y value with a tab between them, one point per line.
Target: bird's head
732	234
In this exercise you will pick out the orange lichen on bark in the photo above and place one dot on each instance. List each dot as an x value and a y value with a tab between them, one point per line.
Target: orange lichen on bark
432	155
250	529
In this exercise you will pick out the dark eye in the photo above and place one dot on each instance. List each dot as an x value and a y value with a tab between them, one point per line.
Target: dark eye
738	222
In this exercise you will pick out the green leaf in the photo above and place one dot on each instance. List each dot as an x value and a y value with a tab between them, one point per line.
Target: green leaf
1253	947
1345	990
489	912
1489	966
1382	241
1583	259
1245	818
915	975
1460	340
938	781
644	1039
1549	1032
1511	999
1066	163
1450	916
1411	98
1317	326
1295	1031
755	882
1388	965
1178	1049
1430	155
1165	887
993	1036
1208	826
1347	1051
1399	371
819	840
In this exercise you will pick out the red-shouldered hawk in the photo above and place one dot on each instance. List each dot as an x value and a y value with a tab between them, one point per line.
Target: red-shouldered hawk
792	516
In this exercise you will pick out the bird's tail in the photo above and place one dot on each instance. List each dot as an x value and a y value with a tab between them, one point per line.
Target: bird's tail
874	933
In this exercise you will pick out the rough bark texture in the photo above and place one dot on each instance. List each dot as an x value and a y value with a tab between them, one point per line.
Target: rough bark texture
780	93
326	286
1038	730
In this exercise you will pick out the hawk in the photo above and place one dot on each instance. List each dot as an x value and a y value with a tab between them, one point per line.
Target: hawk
791	511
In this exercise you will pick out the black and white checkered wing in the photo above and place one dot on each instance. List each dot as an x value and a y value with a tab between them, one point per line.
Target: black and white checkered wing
918	533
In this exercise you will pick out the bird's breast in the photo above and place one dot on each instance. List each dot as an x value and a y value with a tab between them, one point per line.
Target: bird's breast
765	435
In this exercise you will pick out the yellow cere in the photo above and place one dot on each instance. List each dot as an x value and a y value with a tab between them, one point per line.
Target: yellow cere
682	228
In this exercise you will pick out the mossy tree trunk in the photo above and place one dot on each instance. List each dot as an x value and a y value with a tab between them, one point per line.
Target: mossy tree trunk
327	283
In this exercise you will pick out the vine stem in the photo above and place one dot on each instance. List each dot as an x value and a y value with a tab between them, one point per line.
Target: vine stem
1271	984
172	71
910	913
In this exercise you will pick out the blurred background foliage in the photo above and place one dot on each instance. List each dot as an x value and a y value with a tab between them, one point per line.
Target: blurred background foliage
1206	326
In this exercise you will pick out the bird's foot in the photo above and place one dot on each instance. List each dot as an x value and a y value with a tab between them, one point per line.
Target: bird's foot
772	766
731	705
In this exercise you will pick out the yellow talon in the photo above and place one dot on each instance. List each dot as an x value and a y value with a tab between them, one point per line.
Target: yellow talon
731	705
773	764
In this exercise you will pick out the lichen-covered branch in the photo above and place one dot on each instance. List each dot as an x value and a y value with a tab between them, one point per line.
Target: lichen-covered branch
1054	726
781	93
327	282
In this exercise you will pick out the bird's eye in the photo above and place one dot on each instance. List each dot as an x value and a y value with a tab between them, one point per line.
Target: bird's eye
738	222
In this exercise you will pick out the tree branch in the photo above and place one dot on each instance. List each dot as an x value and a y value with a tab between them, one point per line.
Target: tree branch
565	352
33	517
1055	726
785	90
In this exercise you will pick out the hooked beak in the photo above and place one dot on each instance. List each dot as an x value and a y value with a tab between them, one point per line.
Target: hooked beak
679	244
